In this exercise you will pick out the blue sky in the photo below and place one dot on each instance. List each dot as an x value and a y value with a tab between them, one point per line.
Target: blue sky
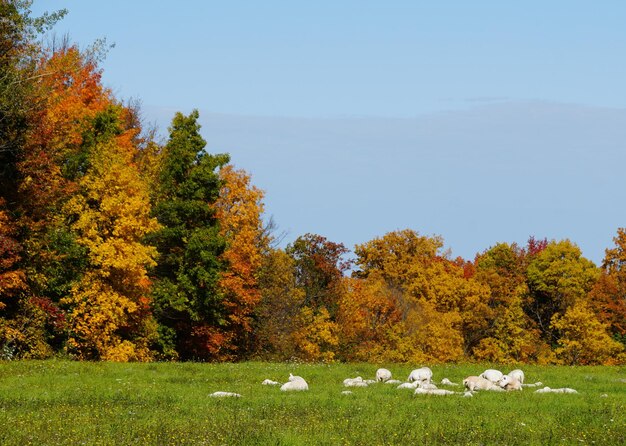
481	121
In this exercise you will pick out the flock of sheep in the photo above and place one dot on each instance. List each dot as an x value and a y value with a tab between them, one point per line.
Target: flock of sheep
421	380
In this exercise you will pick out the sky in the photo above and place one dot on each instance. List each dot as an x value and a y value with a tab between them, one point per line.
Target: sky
481	122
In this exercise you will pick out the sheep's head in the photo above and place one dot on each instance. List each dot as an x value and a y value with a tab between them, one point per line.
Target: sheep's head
504	381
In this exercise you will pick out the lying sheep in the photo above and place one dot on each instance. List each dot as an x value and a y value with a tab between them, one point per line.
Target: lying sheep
447	382
492	375
426	386
349	380
423	374
508	382
412	385
269	382
295	383
224	395
354	382
393	381
561	390
383	375
473	383
422	391
517	374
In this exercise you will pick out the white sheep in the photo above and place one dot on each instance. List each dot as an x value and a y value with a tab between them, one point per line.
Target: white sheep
351	380
269	382
422	391
383	375
393	381
473	383
423	374
517	374
354	382
508	382
295	383
447	382
426	386
412	385
561	390
224	395
492	375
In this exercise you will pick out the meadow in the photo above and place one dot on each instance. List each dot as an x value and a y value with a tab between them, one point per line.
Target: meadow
70	403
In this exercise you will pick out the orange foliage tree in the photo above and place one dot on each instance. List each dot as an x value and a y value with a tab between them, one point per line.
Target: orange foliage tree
55	157
368	314
608	296
72	95
239	212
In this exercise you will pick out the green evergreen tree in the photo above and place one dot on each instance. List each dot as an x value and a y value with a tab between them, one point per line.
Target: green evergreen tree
187	303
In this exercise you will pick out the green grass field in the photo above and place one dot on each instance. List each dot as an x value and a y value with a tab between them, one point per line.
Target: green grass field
72	403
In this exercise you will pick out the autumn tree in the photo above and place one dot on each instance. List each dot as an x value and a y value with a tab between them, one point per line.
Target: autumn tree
109	308
557	278
584	340
367	319
19	51
239	212
27	323
276	317
188	301
319	268
57	154
396	257
434	291
318	271
512	335
12	282
608	296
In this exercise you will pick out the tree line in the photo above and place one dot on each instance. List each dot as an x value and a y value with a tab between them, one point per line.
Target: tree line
116	246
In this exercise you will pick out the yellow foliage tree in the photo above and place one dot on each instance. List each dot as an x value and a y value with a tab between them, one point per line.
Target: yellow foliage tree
398	258
584	340
434	292
109	311
557	278
425	335
317	337
512	338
